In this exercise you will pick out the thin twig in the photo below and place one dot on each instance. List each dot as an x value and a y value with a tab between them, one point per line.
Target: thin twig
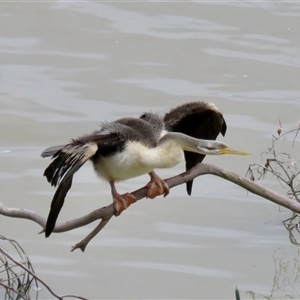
4	252
82	244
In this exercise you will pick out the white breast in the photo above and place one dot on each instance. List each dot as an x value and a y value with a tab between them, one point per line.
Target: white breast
137	159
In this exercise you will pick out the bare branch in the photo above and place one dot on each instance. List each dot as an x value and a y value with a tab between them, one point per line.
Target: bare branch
82	244
105	213
22	214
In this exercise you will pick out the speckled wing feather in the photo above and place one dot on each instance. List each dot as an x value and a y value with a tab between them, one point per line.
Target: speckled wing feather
68	159
51	151
197	119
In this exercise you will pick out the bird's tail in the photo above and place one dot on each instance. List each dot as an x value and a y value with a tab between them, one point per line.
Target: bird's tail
67	160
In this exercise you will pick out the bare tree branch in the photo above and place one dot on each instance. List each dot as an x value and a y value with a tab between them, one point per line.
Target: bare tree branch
105	213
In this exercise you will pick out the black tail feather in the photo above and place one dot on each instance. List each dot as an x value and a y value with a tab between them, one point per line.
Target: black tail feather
56	205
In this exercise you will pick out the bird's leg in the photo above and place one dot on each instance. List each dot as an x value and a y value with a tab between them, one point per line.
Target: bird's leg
156	186
121	202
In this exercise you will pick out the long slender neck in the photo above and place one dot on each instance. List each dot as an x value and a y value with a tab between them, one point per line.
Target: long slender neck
185	142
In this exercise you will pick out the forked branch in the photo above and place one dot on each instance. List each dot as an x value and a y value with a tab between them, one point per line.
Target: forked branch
105	213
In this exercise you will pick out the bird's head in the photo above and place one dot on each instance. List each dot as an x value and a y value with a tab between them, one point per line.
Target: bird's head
217	148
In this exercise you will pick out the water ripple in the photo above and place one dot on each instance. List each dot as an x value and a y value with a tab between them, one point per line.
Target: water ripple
178	268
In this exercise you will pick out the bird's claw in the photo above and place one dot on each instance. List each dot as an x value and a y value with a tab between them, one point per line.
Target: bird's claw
121	202
156	188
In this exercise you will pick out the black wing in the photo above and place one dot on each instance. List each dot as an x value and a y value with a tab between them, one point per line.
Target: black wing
197	119
68	159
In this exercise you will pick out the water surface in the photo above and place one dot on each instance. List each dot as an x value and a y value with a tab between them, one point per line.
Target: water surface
67	66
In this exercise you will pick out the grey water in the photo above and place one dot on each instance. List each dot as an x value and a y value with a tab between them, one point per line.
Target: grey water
67	66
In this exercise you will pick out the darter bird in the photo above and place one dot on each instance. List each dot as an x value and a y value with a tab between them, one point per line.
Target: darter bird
130	147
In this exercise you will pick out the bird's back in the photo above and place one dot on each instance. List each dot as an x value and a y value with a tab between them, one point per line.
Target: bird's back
138	138
146	130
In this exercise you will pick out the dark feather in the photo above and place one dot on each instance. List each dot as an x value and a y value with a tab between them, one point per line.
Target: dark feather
199	120
68	161
71	155
51	151
56	204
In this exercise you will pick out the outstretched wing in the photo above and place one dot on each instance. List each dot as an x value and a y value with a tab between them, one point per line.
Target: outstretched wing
197	119
68	159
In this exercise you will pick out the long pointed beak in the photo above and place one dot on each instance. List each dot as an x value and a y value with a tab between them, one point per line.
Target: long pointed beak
232	151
